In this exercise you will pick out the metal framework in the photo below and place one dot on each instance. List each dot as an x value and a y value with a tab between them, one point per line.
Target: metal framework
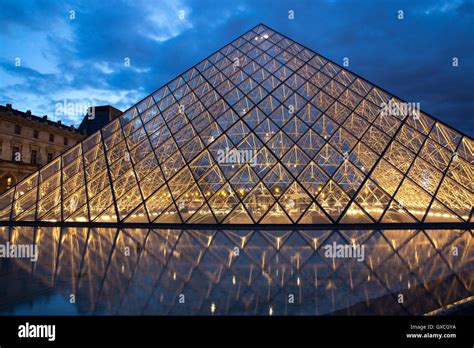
324	153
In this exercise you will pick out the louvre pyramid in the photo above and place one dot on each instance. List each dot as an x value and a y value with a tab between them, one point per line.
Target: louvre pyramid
263	131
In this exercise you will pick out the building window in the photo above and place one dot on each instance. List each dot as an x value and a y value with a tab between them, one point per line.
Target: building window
6	182
16	153
17	129
9	182
51	138
34	156
66	141
50	156
35	133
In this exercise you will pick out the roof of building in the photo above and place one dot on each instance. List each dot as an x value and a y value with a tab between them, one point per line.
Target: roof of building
43	120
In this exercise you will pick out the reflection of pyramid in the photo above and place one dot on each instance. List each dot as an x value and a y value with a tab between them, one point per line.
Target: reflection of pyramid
263	131
202	265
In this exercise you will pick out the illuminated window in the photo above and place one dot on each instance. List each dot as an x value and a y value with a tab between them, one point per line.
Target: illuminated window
9	182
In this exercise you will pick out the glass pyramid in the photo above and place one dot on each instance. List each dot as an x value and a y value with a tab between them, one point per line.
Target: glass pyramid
263	131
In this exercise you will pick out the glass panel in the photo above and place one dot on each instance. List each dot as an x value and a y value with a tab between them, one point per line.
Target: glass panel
258	201
311	142
295	160
5	205
333	200
466	149
413	198
375	139
456	197
356	125
329	159
355	215
280	144
277	180
372	199
386	176
158	202
349	178
295	201
313	179
363	157
399	156
244	181
445	136
151	182
436	155
77	201
368	110
462	172
128	202
425	175
223	201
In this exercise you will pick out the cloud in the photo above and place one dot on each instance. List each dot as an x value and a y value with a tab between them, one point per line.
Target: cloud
166	21
84	58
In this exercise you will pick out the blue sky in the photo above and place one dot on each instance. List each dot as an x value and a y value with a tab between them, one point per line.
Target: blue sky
81	59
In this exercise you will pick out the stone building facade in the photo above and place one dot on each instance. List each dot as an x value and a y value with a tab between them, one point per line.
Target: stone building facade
28	142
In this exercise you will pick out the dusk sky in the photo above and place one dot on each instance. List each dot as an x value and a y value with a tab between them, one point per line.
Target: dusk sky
47	57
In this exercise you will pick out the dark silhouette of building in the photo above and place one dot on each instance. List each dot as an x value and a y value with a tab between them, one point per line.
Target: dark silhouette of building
98	117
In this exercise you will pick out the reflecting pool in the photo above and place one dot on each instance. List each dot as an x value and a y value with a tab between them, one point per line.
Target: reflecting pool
113	271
